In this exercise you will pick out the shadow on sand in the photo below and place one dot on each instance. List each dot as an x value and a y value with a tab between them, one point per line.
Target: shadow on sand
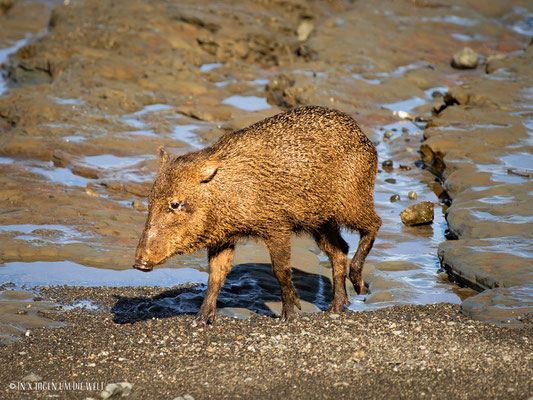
248	286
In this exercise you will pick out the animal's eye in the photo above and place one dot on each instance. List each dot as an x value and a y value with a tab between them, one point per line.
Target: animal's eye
176	205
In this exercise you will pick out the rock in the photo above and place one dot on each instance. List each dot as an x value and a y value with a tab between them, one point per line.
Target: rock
437	94
184	397
403	115
138	189
306	52
85	172
465	58
418	214
286	92
32	378
387	165
412	195
5	5
495	62
116	390
139	205
390	180
276	87
464	96
394	198
91	192
304	30
61	159
295	96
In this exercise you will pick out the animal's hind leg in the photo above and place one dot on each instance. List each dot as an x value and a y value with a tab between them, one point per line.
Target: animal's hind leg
330	241
279	247
368	230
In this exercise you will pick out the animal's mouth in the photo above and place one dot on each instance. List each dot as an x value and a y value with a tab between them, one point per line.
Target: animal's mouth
143	266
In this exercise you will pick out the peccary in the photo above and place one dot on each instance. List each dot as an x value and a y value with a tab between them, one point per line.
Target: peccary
310	170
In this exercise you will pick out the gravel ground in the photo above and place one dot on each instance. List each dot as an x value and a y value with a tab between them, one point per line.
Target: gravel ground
399	352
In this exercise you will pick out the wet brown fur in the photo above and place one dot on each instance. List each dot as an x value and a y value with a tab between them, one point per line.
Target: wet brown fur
310	170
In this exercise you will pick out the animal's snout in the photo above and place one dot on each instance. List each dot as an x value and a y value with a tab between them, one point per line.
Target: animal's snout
144	266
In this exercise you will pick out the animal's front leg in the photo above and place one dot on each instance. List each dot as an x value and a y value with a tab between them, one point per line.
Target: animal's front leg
219	266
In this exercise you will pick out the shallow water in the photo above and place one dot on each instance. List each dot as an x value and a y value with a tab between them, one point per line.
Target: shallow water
405	105
61	176
20	313
209	67
186	134
248	103
4	54
47	273
45	233
111	161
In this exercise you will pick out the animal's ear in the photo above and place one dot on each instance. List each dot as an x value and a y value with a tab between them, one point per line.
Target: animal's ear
208	170
163	156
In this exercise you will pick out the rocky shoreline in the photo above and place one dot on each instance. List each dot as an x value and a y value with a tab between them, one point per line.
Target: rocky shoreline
480	146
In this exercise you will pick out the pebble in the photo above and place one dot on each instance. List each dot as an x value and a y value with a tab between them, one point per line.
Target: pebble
184	397
403	115
466	58
304	30
139	205
387	134
334	316
91	192
394	198
390	180
412	195
387	165
32	378
115	390
338	384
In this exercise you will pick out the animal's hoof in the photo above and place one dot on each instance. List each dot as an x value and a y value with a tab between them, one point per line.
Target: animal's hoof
360	288
197	323
202	320
338	306
287	316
